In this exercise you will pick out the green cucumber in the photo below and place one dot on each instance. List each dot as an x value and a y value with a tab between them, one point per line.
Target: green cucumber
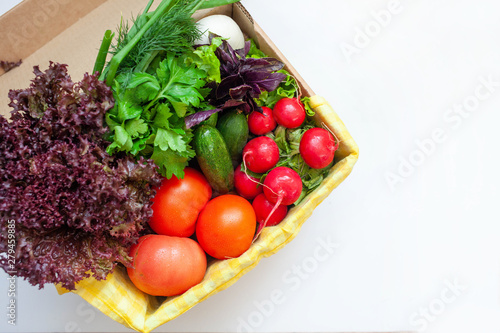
213	158
233	126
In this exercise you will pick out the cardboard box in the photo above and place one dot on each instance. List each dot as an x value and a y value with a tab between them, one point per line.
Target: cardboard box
70	32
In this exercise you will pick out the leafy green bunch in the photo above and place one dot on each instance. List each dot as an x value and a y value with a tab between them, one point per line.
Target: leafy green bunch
148	117
157	79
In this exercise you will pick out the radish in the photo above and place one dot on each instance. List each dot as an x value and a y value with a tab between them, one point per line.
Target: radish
282	186
317	147
247	186
263	209
261	154
289	112
261	123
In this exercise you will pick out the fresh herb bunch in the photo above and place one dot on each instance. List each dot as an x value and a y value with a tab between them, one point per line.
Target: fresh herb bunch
175	31
157	80
148	118
245	78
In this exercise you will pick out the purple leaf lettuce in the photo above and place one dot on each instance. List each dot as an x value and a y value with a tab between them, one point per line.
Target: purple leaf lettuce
75	209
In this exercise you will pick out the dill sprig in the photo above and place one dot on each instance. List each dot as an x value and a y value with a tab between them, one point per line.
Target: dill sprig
174	32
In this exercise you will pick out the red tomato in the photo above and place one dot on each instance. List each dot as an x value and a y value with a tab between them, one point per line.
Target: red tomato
261	123
289	112
178	202
165	265
226	226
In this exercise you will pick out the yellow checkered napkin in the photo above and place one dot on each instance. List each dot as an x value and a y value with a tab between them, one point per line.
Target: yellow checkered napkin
118	298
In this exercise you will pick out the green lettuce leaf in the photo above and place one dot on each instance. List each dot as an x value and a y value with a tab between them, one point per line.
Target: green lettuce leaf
254	51
205	59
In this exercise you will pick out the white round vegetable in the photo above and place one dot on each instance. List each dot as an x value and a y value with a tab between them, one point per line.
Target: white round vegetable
223	26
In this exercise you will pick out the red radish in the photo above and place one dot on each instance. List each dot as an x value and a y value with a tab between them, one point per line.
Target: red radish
261	154
317	147
263	208
247	186
289	112
282	186
261	123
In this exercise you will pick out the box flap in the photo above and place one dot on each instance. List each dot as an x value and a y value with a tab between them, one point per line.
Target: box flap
75	42
31	24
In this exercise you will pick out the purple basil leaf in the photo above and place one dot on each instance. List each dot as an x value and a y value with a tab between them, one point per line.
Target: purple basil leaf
244	79
240	91
265	81
233	104
254	107
244	51
198	117
246	107
226	54
228	68
256	90
262	64
226	84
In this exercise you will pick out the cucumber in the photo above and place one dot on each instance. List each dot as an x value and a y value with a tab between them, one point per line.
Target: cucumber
233	126
213	158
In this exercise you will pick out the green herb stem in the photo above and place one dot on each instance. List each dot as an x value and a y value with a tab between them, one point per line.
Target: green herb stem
148	6
164	6
103	52
146	61
215	3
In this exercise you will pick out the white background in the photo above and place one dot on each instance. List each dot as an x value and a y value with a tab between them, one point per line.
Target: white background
420	252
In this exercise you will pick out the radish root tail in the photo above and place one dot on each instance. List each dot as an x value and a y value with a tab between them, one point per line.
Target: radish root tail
251	178
337	141
278	203
263	225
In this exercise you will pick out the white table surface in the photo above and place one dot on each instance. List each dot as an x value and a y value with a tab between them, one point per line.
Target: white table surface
416	224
